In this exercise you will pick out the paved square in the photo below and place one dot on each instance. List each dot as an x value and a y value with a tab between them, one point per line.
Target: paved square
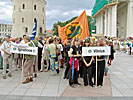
118	83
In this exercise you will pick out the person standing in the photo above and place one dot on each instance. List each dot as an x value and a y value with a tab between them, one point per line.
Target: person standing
74	63
53	58
67	49
111	57
45	56
40	53
5	47
35	64
100	66
87	67
29	59
60	56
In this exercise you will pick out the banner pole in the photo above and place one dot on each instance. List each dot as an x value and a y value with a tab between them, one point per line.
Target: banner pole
22	69
96	71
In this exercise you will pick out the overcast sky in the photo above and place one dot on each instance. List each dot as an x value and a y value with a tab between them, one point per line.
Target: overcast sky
56	10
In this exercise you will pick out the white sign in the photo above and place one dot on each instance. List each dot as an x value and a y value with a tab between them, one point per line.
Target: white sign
26	50
96	51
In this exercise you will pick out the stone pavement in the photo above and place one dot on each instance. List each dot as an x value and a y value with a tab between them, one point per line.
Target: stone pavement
121	75
82	91
117	84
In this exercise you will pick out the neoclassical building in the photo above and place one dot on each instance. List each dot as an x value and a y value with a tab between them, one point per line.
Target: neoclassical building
25	12
114	18
5	29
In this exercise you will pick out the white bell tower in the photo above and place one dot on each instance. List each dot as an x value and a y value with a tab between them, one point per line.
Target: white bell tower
25	12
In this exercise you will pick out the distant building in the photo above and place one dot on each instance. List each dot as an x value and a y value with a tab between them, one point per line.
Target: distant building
50	33
25	12
114	18
5	29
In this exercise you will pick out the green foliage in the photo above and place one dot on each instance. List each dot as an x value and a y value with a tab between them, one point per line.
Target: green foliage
62	24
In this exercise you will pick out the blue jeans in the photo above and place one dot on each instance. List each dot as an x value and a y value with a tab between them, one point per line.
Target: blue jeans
54	63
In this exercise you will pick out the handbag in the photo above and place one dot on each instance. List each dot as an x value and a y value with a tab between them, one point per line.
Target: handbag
57	51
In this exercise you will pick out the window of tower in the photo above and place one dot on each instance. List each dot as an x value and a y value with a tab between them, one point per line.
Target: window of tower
34	20
23	6
34	7
26	30
43	9
43	21
40	29
22	20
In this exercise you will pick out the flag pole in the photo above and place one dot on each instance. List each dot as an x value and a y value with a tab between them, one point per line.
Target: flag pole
96	72
37	29
22	69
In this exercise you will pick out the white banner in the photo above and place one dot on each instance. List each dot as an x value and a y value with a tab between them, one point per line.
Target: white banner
96	51
26	50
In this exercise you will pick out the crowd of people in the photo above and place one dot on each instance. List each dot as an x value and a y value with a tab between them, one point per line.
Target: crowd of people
124	45
53	53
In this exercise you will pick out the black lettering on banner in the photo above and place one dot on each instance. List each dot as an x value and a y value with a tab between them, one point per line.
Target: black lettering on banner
98	51
26	50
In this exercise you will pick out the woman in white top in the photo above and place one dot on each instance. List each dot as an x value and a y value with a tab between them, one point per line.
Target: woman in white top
60	56
45	56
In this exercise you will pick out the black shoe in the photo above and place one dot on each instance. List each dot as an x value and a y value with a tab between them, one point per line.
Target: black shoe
72	86
79	84
91	85
85	84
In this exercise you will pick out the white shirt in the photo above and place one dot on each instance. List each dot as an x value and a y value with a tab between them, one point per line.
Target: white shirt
6	45
22	42
61	47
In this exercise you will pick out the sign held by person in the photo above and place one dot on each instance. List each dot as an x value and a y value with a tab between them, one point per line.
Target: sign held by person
26	50
96	51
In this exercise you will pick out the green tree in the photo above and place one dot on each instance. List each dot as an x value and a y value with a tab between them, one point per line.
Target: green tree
62	24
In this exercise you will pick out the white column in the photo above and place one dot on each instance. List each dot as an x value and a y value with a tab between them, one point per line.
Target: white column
114	21
130	19
109	22
97	24
101	24
106	23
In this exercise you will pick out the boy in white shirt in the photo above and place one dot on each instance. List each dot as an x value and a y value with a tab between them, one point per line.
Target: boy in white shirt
5	47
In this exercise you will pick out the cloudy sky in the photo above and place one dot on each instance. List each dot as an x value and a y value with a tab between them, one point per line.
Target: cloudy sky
56	10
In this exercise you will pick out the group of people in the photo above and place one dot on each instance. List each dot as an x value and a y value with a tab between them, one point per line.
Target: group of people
53	53
123	45
85	66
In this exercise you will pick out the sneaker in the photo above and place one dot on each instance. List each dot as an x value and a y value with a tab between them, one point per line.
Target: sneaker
100	86
9	75
35	75
31	79
79	84
41	70
72	86
4	77
26	81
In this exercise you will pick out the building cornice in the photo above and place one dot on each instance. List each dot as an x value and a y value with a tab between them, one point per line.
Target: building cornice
103	9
